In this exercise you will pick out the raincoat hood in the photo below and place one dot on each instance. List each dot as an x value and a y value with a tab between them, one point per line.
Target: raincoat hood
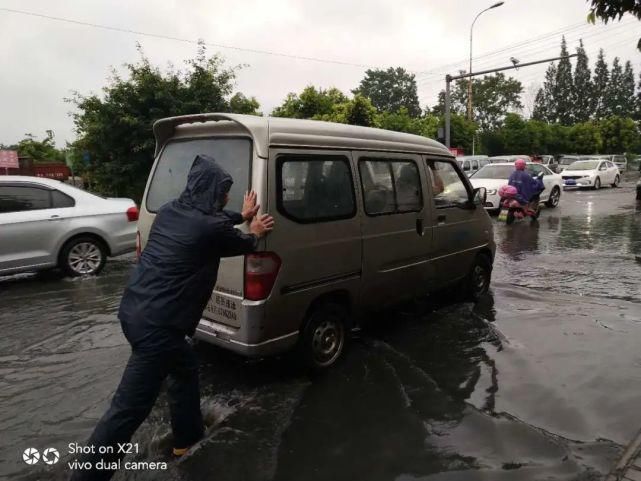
207	185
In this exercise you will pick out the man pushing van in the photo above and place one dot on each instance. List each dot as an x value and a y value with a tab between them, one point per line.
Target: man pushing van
163	303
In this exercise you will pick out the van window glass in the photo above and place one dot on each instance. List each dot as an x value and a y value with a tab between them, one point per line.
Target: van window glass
390	186
315	188
170	177
18	198
447	186
61	200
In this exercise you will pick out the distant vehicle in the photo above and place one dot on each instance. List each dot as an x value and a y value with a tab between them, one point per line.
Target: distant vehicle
548	160
45	223
621	161
592	173
471	163
494	176
509	158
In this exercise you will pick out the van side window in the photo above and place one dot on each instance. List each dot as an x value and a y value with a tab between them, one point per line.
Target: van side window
390	186
447	187
315	188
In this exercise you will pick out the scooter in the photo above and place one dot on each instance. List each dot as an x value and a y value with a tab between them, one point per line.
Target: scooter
512	210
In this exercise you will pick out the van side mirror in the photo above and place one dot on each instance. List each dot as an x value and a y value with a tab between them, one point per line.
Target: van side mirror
479	196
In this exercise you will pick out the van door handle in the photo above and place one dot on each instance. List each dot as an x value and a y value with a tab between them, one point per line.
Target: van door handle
441	219
419	227
55	217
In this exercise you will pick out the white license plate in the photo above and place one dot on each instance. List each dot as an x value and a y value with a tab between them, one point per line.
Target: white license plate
223	309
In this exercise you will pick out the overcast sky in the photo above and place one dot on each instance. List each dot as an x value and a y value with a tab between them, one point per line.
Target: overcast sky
44	60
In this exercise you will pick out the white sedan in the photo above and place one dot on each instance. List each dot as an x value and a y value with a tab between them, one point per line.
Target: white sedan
494	176
591	173
45	224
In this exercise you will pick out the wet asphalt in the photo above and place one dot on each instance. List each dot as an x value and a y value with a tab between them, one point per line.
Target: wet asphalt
540	380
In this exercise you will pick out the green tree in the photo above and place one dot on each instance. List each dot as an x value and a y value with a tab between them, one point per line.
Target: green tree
312	102
607	10
585	138
544	107
40	150
390	90
600	86
582	87
615	96
356	111
115	129
628	101
494	96
516	135
239	104
619	135
563	88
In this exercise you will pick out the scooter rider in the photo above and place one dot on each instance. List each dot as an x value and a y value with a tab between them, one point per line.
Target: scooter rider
526	186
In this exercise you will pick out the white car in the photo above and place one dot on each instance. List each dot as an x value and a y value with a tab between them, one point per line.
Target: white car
592	173
471	163
45	223
494	176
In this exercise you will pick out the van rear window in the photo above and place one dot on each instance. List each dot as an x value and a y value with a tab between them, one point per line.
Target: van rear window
170	177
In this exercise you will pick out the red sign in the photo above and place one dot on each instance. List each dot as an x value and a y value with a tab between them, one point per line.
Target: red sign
456	151
9	159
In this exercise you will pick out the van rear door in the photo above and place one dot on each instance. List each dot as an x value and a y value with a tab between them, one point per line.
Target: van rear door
169	178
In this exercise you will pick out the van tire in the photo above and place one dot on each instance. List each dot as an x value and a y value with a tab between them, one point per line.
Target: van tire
323	337
478	280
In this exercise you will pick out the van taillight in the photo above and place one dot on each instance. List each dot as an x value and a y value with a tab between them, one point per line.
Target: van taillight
261	269
138	245
132	214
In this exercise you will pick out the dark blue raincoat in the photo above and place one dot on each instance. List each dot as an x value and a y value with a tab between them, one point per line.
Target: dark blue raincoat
177	270
162	303
525	185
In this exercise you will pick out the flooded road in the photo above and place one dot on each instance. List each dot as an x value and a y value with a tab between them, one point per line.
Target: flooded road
541	380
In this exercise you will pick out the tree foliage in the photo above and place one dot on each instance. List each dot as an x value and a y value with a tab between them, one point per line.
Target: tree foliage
39	150
494	96
563	93
115	129
600	85
607	10
390	90
582	91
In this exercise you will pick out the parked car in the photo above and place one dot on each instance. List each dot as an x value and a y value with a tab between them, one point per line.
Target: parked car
499	159
365	218
621	161
45	223
472	163
565	160
494	176
592	173
548	160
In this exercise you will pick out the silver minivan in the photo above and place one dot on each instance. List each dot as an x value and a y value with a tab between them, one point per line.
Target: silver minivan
365	218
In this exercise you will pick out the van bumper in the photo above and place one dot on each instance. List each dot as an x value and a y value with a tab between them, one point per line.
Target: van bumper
228	338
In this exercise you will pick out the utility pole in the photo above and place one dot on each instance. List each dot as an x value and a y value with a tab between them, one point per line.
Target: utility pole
450	78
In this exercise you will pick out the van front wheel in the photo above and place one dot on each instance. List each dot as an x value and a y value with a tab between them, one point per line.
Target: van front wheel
479	278
324	336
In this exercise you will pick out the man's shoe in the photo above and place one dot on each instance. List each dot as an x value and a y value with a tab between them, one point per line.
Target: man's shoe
179	452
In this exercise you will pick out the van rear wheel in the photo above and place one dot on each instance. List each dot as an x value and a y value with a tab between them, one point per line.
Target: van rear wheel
324	336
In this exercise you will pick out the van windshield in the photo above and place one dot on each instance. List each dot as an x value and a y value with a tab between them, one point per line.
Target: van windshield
170	177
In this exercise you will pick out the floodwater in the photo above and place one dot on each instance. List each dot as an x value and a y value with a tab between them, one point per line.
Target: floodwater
541	380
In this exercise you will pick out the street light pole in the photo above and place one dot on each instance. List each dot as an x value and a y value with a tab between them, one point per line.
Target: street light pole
469	82
450	78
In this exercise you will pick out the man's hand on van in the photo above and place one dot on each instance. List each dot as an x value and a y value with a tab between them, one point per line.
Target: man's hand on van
261	225
250	208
